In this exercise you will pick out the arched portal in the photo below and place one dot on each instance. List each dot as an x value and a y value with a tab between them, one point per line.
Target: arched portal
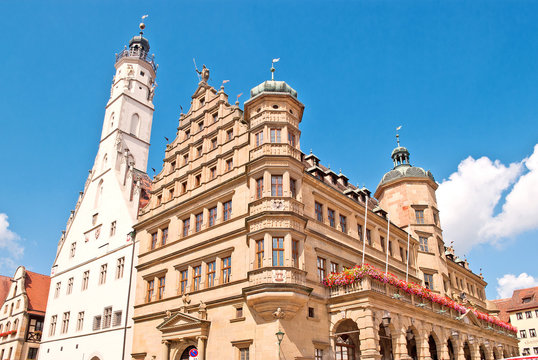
411	344
451	352
385	343
95	358
185	354
466	351
433	347
347	343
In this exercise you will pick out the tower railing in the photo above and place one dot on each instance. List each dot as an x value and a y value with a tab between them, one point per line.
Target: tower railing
140	54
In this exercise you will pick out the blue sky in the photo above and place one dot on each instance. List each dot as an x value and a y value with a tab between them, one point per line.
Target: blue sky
460	76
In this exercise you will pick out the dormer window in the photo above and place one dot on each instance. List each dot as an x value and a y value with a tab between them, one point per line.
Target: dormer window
202	102
526	300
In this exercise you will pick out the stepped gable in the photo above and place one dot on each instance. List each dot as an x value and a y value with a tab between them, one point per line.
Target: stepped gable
37	289
5	283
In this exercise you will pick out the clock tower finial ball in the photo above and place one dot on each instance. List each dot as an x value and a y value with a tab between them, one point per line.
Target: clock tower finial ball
142	26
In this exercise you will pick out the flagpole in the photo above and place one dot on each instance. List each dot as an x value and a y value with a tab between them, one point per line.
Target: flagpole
407	266
387	243
364	231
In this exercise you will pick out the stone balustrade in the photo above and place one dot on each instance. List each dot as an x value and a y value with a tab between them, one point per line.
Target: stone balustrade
276	204
277	275
279	149
274	116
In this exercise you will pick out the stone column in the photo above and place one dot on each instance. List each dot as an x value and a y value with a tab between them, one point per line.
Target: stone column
475	351
166	350
368	336
201	347
423	348
400	345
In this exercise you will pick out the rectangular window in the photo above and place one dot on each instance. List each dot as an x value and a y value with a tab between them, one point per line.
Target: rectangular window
318	355
200	125
164	236
535	350
85	279
211	273
32	354
213	172
319	211
150	289
227	210
172	166
278	251
291	139
390	248
199	221
70	286
522	334
73	249
402	254
259	188
276	185
184	275
238	312
102	274
244	352
184	187
259	253
196	277
295	253
359	232
369	237
275	135
532	332
107	317
423	243
186	226
57	290
120	265
52	328
212	216
185	159
198	180
112	228
226	269
153	240
213	143
199	151
80	321
159	199
229	164
330	217
428	281
65	322
116	320
96	322
343	226
293	188
311	312
229	135
528	314
321	269
259	138
160	290
519	316
334	267
419	216
215	117
382	243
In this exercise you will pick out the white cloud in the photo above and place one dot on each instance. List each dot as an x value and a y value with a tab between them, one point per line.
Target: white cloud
468	198
509	282
10	246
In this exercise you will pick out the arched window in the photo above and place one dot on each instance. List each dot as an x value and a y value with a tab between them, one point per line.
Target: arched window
111	126
8	326
16	324
105	161
99	193
344	348
135	123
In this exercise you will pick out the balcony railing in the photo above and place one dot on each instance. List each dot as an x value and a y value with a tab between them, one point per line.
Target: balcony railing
277	275
281	149
276	204
139	54
274	116
34	336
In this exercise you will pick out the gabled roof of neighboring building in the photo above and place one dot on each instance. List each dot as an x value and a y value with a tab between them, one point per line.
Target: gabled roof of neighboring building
522	299
5	284
37	290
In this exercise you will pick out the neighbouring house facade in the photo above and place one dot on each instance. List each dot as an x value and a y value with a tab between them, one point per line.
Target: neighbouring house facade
90	304
22	314
251	249
521	310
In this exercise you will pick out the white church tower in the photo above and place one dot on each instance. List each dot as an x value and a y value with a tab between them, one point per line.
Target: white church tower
90	303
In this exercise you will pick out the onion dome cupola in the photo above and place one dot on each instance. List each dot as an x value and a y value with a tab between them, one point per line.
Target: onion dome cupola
138	48
402	166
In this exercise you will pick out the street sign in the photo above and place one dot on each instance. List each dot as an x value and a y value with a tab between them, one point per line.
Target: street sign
193	354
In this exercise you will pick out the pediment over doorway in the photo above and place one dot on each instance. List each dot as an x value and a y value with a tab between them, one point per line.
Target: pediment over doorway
180	325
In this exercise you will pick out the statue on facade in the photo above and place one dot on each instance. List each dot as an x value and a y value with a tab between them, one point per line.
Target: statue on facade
204	73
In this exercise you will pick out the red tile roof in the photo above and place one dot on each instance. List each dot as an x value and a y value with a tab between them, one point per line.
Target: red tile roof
5	284
37	289
515	303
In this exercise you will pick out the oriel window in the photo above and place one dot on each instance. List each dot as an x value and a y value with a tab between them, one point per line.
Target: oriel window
276	185
278	251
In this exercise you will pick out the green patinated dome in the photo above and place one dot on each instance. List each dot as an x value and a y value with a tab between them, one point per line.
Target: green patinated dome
140	42
272	86
403	168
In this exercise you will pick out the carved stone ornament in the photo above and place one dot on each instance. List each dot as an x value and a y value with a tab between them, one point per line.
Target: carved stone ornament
277	204
168	314
279	314
186	299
